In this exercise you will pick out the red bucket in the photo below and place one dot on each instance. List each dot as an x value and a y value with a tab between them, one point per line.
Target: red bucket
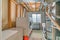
25	38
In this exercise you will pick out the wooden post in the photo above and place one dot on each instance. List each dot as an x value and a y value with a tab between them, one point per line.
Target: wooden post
53	33
16	11
9	13
21	10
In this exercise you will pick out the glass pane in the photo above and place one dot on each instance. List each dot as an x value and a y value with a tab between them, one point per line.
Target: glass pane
34	17
38	18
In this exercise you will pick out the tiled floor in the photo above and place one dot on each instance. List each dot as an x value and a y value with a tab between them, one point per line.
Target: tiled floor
36	35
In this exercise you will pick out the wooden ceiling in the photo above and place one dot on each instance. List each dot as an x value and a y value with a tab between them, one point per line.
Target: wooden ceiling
31	6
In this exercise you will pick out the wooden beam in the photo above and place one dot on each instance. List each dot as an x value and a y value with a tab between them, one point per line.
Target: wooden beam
9	13
16	11
53	33
14	1
29	6
21	11
24	5
10	23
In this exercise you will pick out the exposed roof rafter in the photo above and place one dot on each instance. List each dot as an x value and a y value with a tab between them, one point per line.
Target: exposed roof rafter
31	6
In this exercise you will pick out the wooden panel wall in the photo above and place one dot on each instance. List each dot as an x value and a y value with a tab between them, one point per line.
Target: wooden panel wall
12	13
15	10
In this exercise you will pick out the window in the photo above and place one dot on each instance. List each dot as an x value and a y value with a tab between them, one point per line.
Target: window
36	18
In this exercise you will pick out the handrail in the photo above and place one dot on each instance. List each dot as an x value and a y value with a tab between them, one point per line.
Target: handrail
52	20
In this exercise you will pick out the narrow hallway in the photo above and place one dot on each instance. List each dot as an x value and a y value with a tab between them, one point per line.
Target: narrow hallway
30	19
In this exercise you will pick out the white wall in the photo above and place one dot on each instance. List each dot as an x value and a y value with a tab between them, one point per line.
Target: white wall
0	19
